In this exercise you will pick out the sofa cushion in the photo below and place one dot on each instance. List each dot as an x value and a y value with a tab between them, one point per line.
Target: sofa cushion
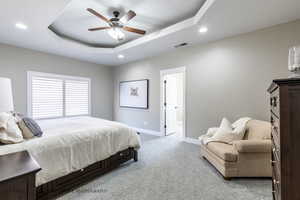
258	130
223	151
253	146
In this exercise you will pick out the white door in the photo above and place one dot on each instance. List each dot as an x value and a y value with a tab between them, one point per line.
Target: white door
170	104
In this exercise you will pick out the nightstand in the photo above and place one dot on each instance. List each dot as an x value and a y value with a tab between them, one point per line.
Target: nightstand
17	176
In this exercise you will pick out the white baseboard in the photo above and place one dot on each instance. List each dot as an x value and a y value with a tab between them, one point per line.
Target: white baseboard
192	141
146	131
157	133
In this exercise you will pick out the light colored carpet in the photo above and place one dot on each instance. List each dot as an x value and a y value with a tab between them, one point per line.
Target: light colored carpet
170	170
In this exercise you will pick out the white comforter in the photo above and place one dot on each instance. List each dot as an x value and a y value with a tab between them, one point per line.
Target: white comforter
71	144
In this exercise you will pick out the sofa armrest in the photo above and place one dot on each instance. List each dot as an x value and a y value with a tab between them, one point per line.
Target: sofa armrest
253	146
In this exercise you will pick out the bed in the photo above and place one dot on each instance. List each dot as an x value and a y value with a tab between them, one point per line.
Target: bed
75	150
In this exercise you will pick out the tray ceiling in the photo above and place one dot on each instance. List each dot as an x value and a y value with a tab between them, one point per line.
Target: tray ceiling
222	18
152	15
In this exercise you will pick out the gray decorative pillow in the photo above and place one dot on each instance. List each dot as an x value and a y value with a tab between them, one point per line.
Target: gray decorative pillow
30	128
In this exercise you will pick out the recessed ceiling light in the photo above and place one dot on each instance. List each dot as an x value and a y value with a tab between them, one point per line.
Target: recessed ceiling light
21	26
120	56
203	29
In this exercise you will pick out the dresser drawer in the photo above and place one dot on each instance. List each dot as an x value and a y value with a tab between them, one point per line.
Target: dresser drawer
275	102
276	168
276	195
275	144
275	128
276	185
275	160
275	152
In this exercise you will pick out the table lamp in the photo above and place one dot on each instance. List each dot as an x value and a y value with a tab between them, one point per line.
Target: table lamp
6	97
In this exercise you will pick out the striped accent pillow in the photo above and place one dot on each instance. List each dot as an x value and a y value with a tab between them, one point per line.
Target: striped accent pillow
30	128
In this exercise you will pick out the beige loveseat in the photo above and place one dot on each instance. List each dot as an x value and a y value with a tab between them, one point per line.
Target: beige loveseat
245	158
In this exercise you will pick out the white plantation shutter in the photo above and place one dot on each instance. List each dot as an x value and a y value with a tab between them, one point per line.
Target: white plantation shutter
77	97
47	97
54	96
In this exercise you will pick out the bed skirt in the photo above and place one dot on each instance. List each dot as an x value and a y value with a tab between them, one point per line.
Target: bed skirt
71	181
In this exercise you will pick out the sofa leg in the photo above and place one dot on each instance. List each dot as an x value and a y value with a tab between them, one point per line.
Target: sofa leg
135	156
227	178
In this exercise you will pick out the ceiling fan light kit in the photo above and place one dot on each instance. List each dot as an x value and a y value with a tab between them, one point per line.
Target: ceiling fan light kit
116	33
116	25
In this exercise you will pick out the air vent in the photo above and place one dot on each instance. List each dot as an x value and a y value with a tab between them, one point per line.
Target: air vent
181	45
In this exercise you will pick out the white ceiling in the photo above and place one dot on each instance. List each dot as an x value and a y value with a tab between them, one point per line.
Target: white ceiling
223	18
152	15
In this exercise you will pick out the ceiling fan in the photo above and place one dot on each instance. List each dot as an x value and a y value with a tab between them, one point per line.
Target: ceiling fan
116	24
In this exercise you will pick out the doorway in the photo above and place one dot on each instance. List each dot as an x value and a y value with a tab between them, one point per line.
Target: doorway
173	102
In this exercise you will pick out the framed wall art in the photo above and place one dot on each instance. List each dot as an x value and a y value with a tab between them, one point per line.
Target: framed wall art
134	94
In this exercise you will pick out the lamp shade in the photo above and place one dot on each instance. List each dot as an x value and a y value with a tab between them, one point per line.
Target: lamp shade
6	97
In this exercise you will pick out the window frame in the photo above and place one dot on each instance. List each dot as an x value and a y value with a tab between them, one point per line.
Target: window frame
31	74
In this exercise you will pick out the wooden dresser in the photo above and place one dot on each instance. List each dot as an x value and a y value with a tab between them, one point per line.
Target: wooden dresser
285	120
17	176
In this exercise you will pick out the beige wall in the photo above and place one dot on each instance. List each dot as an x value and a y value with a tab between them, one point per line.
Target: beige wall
15	62
227	78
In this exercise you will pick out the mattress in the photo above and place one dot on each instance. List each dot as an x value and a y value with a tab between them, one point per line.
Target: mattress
70	144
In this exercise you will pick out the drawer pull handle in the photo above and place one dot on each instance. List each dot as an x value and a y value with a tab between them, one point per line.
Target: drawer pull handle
275	150
271	101
275	128
275	182
274	102
272	120
273	162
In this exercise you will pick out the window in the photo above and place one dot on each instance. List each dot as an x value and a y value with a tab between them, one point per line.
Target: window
77	97
47	97
55	96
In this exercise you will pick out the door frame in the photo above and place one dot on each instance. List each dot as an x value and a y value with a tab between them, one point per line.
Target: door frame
162	114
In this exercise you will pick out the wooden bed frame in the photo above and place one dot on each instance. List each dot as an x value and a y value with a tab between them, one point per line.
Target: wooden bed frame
71	181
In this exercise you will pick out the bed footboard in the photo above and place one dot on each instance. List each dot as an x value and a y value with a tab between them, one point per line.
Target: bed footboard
71	181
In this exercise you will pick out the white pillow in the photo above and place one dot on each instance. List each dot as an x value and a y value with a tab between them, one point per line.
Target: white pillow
241	122
227	134
11	133
226	125
4	117
211	131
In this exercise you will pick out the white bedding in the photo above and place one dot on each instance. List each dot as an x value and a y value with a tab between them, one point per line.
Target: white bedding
74	143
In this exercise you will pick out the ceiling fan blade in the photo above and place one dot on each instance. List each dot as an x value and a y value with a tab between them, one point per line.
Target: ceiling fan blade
98	15
131	14
99	28
134	30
